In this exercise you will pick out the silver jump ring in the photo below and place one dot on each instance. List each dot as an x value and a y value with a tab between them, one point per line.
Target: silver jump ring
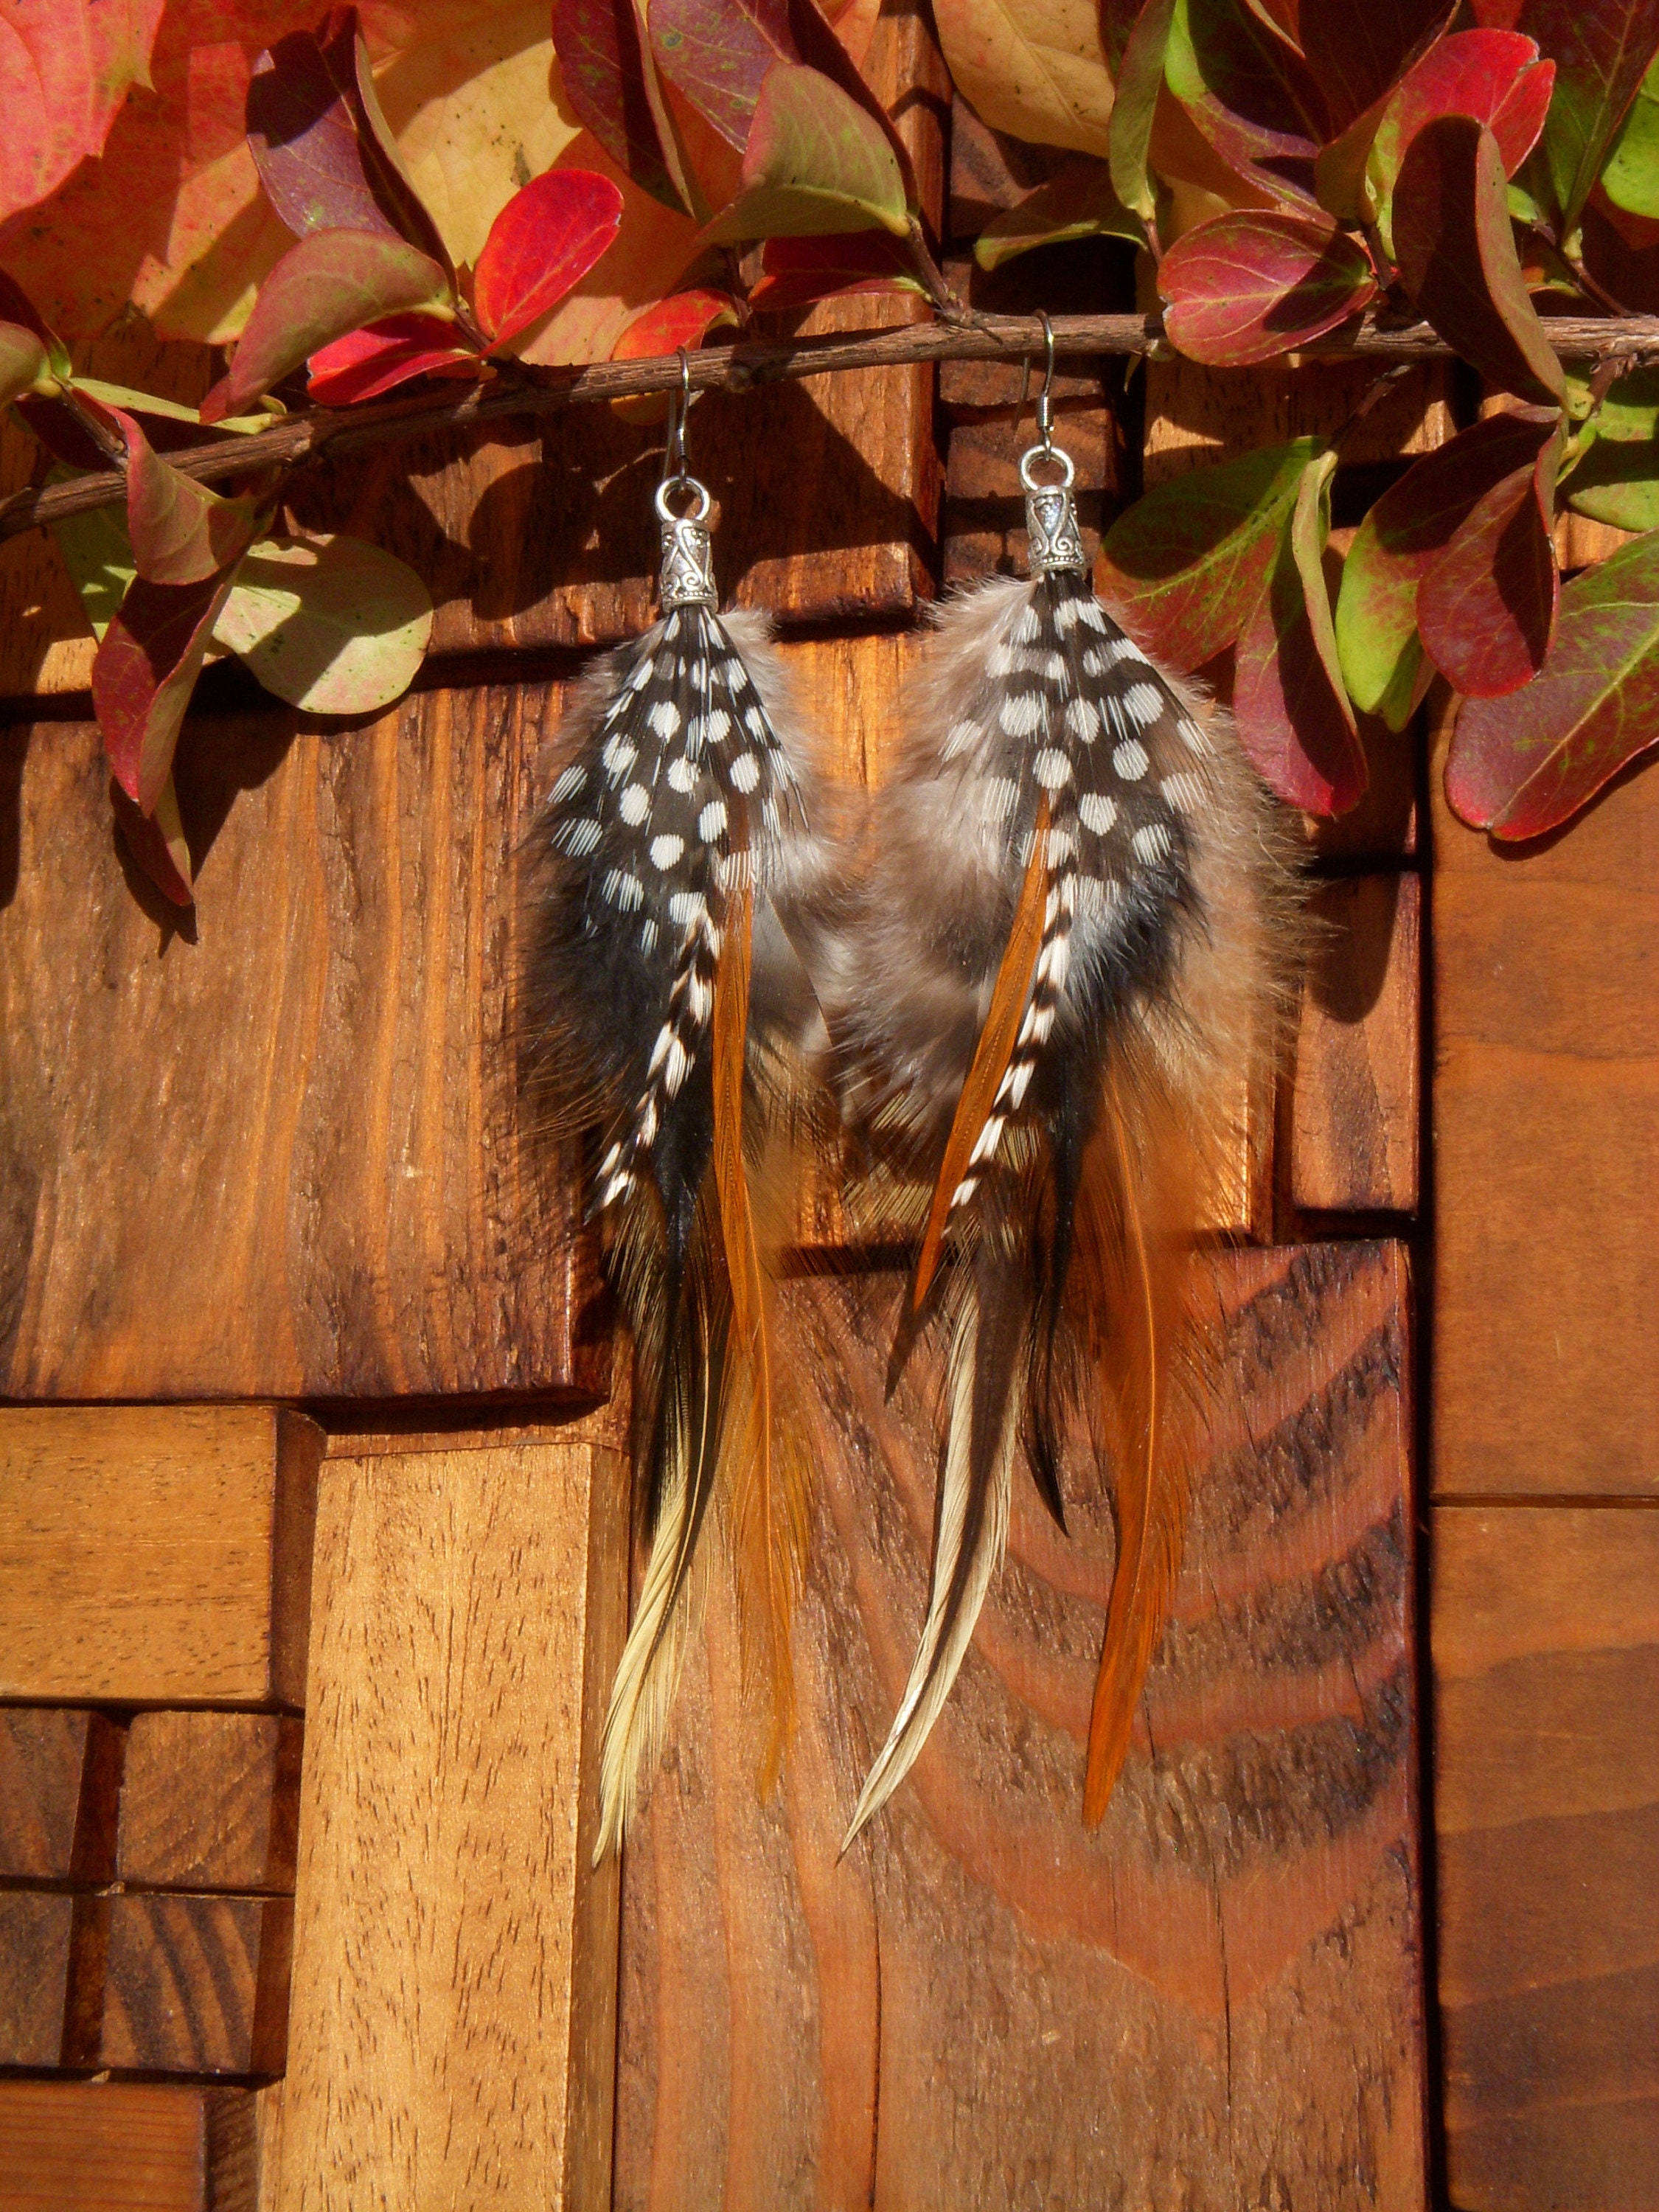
1061	459
699	513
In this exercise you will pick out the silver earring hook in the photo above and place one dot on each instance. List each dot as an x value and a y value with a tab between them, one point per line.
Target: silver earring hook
1045	406
679	406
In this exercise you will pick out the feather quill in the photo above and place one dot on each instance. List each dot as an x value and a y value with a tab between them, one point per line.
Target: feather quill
1073	931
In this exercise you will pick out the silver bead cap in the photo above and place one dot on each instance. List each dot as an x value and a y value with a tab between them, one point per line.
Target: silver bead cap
688	559
1056	543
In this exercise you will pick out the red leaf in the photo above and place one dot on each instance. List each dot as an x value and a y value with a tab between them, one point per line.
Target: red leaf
384	354
144	670
1496	76
1457	258
1182	569
1522	767
1485	606
1292	714
796	271
1404	533
329	284
682	319
182	532
321	162
541	246
156	842
66	66
609	79
1252	284
1601	50
717	53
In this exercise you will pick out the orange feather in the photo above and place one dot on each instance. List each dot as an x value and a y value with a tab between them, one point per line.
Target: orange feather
996	1043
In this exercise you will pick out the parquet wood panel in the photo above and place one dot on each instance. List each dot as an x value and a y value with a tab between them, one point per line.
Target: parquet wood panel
1212	2000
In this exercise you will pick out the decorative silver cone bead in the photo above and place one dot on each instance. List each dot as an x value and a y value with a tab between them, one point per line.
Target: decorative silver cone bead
687	561
1056	543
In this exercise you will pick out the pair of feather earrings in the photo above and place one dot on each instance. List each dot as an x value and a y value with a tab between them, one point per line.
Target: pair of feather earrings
1029	987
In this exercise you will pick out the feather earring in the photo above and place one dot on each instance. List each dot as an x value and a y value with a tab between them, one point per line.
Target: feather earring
665	1002
1074	927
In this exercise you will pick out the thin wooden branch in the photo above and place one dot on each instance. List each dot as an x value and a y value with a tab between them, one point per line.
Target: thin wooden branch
520	391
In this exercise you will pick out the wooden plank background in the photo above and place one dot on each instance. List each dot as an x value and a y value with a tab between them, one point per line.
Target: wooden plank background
1216	2001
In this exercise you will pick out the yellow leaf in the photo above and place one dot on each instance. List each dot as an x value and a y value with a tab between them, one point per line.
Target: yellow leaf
1035	69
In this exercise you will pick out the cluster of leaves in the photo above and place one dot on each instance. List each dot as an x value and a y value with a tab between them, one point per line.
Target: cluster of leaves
1482	167
468	188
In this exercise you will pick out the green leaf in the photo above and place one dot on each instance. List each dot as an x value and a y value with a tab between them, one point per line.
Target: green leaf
333	624
171	410
1631	179
98	554
1080	203
1184	567
815	164
1616	482
24	363
1140	80
1521	765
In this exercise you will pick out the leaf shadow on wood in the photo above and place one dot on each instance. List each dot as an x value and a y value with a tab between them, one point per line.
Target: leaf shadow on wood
1349	965
14	752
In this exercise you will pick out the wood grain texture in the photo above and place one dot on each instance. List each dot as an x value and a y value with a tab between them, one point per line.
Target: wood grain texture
1545	1639
211	1800
195	1984
334	1202
1546	1128
1354	1105
35	1929
1212	2001
455	1957
155	1554
74	2146
60	1777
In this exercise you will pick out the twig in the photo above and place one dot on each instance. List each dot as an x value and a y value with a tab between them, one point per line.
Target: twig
740	367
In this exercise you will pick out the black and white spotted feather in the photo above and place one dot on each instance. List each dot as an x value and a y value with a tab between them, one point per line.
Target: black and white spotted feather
675	864
1070	939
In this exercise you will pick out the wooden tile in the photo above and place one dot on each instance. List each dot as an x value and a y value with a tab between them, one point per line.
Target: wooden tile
1215	1998
60	1772
34	1969
212	1800
455	1955
1546	1129
155	1554
1545	1639
1355	1100
335	1202
197	1984
126	2147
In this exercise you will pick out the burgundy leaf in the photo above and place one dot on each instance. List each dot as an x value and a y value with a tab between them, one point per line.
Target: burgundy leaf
796	271
1251	94
717	53
384	354
609	79
156	842
1355	53
1292	714
331	283
1253	283
1404	533
541	245
1522	767
182	532
144	670
1601	50
1457	258
1497	76
320	159
1486	605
